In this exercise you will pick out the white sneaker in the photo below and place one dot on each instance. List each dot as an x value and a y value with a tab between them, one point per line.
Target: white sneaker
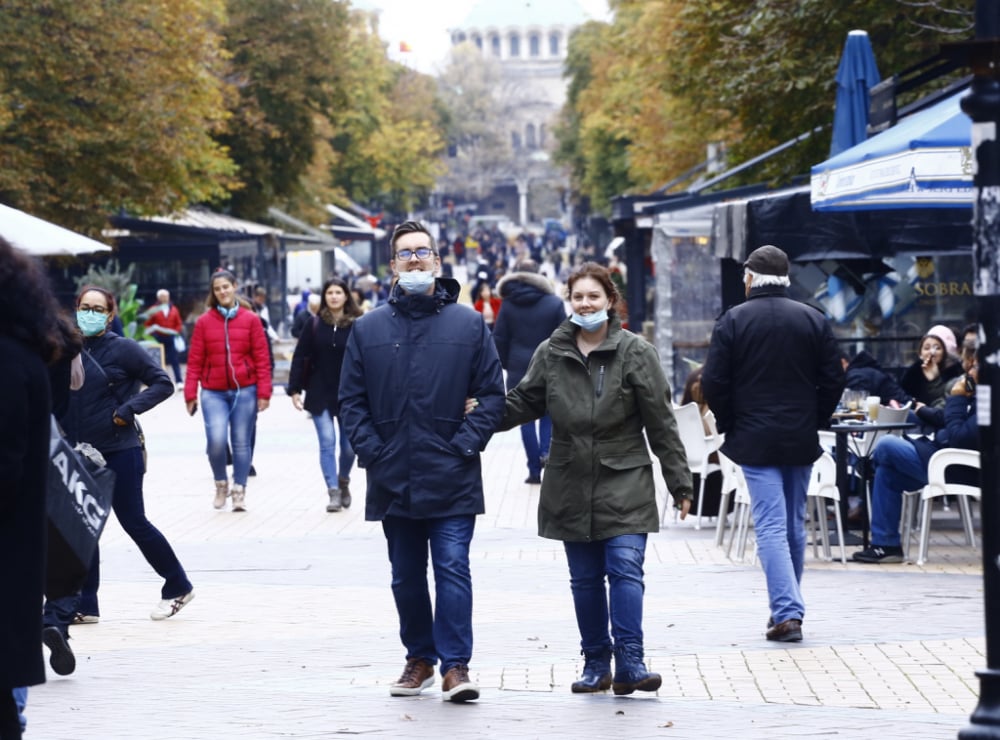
169	607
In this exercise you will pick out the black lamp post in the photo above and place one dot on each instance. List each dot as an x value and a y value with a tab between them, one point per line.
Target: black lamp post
983	106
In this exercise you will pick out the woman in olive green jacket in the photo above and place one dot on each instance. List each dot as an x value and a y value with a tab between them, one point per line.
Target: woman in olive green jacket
603	387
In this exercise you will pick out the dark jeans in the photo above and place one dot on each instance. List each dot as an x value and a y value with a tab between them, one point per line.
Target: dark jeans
131	513
620	559
446	631
170	351
536	443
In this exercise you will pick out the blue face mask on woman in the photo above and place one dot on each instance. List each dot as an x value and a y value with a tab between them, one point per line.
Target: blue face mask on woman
91	323
590	322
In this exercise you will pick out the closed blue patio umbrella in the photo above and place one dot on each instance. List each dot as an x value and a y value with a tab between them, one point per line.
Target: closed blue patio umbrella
856	74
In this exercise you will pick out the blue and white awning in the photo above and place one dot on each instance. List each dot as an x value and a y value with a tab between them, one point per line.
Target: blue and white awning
924	160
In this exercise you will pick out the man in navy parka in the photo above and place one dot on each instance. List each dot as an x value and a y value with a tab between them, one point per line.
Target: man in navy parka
410	365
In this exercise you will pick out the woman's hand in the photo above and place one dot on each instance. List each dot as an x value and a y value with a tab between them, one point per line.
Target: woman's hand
262	404
470	405
297	401
685	507
192	406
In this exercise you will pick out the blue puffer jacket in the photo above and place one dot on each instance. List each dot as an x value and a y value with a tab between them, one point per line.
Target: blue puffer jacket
126	366
409	366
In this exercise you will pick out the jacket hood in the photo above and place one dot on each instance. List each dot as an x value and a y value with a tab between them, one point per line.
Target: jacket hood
524	288
863	359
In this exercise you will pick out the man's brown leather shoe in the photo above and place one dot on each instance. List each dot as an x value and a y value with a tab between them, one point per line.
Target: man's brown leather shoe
457	686
788	631
417	676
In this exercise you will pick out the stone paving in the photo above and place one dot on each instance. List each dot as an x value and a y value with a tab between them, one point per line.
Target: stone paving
293	632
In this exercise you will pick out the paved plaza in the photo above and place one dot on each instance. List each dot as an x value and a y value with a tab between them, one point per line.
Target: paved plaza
294	634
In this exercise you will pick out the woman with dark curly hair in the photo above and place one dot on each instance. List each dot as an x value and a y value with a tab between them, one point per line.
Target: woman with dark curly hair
31	338
315	369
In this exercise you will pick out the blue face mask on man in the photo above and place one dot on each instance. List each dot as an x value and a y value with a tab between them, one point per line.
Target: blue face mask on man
590	322
416	281
91	323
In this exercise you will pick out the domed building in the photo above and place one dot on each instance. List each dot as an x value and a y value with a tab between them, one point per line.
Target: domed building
528	39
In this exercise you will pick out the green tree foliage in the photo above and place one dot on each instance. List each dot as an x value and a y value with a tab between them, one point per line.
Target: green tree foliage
649	91
286	64
110	104
387	136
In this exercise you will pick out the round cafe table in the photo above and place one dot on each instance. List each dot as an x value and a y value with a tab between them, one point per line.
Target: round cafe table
844	431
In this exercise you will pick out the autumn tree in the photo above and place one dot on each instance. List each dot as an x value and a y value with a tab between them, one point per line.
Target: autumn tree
110	104
388	136
286	63
650	90
478	102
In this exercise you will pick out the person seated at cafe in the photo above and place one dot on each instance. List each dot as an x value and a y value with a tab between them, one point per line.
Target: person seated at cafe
864	371
926	379
901	462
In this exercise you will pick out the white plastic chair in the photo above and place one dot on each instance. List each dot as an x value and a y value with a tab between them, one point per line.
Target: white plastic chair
936	486
732	479
698	447
823	487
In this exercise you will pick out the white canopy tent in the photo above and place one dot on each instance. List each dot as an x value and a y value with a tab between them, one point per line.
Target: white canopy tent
40	237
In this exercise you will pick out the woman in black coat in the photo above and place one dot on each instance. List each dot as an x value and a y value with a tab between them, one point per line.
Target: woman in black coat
29	339
103	414
316	370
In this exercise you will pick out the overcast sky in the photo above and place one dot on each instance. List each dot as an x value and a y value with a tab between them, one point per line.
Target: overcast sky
424	26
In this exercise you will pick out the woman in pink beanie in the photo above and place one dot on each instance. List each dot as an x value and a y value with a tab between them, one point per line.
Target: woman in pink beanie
927	378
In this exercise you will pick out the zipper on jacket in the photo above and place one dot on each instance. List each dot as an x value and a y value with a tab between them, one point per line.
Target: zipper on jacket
600	381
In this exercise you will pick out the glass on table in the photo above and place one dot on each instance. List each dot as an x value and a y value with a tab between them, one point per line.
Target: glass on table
872	404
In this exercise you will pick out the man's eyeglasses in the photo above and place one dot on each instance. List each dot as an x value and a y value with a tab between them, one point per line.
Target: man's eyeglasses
421	253
95	309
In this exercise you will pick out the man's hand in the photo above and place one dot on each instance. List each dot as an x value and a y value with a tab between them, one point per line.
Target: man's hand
297	401
685	507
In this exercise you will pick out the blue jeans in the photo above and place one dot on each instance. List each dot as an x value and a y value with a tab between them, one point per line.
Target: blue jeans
327	434
130	510
536	444
620	559
233	414
446	631
778	504
898	468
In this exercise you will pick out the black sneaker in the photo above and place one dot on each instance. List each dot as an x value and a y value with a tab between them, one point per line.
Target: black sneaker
62	659
879	554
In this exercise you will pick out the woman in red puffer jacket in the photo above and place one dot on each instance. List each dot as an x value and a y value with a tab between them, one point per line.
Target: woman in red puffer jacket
229	358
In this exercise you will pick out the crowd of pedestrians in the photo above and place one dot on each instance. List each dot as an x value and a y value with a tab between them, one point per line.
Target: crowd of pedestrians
413	383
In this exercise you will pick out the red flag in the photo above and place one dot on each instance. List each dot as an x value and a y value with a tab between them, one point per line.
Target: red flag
404	47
